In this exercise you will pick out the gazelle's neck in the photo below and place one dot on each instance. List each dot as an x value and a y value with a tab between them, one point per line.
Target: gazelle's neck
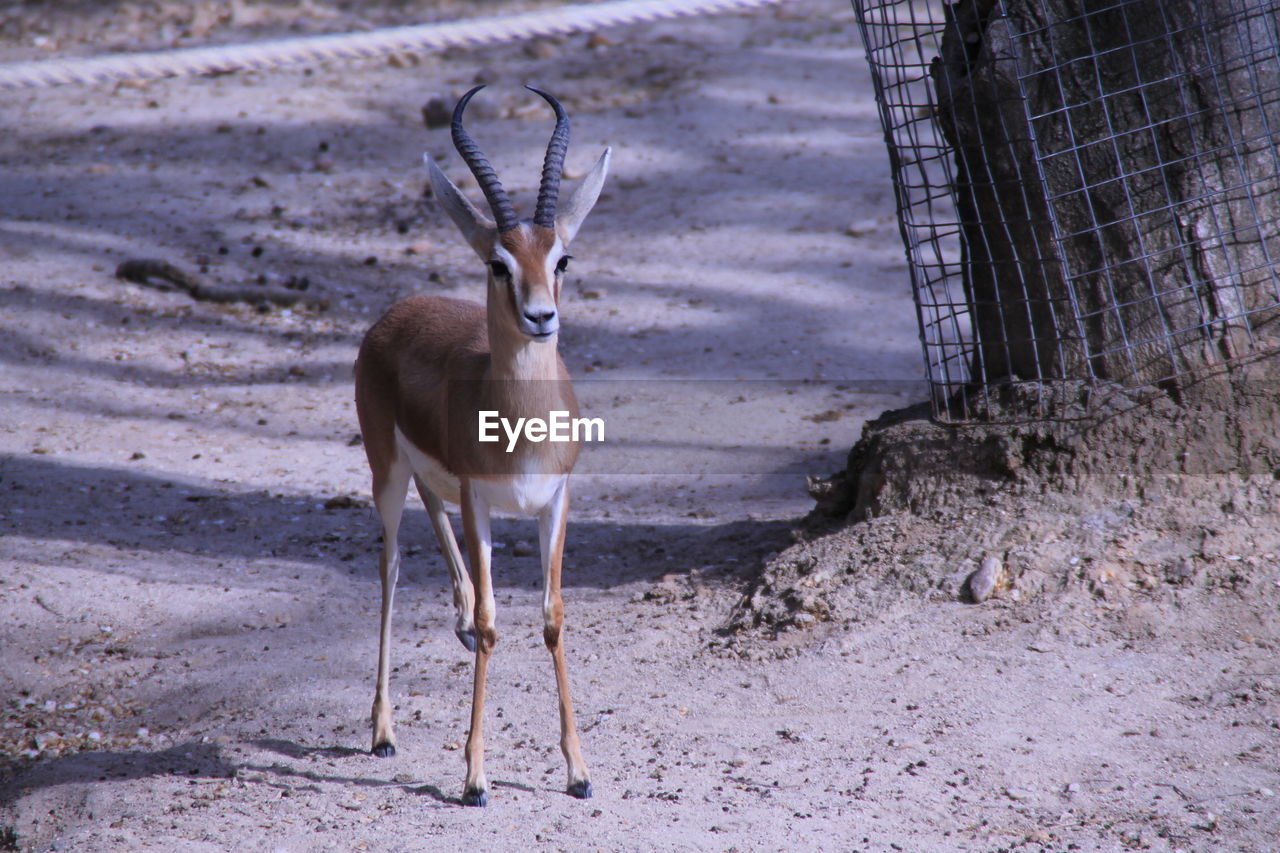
514	357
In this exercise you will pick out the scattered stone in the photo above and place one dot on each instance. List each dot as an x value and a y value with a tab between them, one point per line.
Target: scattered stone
982	583
436	112
403	60
541	49
862	228
1180	572
1042	643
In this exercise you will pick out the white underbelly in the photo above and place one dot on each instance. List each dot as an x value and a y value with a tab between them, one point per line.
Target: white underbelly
525	493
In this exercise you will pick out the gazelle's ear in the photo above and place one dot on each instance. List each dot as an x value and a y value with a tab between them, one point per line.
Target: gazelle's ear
477	228
572	212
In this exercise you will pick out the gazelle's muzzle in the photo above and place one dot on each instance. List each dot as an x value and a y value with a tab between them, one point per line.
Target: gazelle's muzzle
539	320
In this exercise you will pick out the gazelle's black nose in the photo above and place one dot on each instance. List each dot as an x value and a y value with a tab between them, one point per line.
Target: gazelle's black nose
540	318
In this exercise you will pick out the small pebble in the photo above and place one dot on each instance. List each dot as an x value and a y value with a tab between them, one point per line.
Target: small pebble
541	49
862	228
436	113
983	582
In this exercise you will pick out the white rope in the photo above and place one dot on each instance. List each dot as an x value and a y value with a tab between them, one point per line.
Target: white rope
415	39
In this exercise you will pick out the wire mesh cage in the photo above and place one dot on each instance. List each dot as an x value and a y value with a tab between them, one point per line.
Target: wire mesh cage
1088	190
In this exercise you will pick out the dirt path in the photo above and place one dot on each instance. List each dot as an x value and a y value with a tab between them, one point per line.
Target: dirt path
188	579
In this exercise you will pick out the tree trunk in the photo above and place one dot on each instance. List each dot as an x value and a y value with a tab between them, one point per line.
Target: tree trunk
1122	222
1117	183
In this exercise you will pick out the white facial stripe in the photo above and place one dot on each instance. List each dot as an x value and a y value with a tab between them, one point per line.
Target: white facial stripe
501	254
553	258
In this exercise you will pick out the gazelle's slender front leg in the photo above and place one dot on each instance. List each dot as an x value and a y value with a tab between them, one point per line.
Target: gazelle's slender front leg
475	523
464	597
389	495
551	530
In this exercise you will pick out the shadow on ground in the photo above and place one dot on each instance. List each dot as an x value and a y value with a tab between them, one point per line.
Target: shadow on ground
72	505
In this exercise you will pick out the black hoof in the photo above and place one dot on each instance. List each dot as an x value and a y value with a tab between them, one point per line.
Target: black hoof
581	790
468	639
386	749
475	797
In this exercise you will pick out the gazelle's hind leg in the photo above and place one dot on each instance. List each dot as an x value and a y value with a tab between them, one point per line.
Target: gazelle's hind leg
389	496
464	596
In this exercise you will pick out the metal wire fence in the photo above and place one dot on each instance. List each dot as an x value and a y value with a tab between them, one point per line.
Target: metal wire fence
1088	190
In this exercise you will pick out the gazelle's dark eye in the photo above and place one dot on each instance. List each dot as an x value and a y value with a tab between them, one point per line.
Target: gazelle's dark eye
563	263
499	269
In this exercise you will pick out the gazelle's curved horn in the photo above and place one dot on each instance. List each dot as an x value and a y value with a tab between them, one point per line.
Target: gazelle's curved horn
503	213
553	166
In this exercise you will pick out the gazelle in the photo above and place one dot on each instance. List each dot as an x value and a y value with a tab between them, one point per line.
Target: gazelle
426	371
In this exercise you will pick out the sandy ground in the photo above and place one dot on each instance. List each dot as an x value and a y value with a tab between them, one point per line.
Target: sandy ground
188	582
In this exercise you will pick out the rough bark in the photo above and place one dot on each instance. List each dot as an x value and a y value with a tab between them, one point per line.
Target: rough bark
1158	167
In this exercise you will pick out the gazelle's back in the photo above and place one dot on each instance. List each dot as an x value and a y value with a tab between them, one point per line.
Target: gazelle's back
409	349
420	334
